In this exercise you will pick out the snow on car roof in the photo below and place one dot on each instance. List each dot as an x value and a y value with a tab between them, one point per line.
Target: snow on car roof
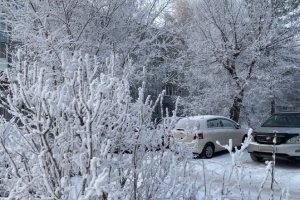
199	117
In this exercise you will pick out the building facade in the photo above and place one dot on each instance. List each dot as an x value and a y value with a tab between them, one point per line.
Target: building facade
4	61
3	45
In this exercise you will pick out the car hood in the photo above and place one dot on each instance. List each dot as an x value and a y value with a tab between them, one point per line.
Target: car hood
289	130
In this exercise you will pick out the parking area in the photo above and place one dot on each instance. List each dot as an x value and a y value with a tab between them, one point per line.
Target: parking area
249	177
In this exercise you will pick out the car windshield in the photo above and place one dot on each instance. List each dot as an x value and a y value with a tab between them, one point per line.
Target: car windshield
283	120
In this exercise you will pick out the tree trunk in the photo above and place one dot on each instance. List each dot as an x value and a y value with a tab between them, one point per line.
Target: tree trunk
272	106
236	107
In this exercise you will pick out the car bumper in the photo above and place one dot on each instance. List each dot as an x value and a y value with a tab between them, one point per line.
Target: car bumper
282	150
196	146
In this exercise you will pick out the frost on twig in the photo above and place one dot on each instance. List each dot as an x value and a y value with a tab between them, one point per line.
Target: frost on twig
237	168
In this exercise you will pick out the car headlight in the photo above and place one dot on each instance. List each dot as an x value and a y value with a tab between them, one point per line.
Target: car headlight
252	138
294	140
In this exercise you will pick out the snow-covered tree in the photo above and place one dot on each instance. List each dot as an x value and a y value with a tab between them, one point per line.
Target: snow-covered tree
236	49
130	30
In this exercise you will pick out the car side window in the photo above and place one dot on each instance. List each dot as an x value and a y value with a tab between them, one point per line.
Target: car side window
228	124
214	123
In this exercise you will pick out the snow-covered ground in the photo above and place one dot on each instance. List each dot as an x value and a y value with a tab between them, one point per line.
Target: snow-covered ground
253	174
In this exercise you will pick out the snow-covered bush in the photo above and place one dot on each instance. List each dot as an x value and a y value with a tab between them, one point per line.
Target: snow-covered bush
70	139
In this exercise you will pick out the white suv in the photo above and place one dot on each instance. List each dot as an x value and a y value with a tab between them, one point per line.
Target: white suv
286	125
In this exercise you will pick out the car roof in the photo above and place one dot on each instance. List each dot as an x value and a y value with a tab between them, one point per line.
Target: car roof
288	112
207	117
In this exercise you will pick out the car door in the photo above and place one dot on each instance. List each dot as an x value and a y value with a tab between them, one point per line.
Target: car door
217	133
232	132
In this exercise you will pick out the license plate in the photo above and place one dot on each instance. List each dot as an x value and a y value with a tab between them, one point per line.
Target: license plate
267	148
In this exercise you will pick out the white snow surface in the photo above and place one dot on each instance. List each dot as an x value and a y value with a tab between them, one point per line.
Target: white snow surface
286	178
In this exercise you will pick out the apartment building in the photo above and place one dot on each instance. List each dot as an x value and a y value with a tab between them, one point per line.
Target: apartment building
4	61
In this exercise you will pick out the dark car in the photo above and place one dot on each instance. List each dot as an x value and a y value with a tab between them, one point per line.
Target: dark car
285	127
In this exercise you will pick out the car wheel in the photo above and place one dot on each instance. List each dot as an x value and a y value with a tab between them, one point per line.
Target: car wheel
208	151
255	158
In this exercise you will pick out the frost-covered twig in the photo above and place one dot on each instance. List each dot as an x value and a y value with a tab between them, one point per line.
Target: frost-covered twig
236	164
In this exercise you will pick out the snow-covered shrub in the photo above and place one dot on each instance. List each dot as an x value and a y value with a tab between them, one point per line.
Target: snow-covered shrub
72	137
236	182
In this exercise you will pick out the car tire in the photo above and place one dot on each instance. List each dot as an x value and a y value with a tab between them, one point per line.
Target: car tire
208	151
256	158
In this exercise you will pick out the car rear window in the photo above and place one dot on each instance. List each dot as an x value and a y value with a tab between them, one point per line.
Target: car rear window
186	124
283	120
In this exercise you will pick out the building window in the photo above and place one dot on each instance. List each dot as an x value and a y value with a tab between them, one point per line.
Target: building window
173	90
2	50
170	90
174	76
2	24
3	56
3	32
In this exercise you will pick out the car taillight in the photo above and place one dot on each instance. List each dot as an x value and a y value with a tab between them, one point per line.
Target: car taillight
199	136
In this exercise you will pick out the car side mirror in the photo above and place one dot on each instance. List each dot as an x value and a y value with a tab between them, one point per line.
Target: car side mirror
238	126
